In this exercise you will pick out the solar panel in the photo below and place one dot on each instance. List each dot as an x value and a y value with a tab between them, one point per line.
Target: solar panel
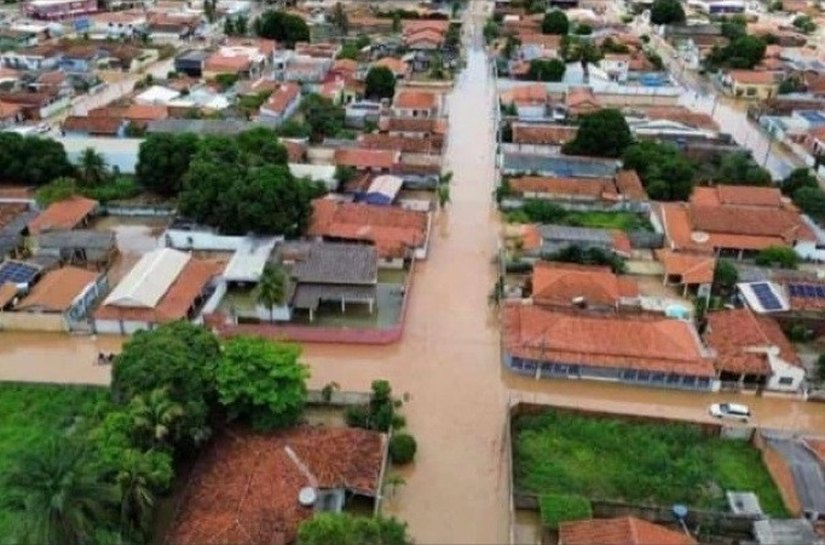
766	297
17	273
806	290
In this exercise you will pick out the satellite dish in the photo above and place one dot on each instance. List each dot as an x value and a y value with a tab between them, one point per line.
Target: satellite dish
699	237
307	496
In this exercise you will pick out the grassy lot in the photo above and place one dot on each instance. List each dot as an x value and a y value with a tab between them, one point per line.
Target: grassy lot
31	414
537	211
636	462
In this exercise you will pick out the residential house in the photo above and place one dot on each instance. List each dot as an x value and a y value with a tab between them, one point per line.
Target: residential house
399	68
375	160
583	287
621	531
36	106
244	59
751	84
191	62
231	492
425	34
545	240
59	9
84	126
172	26
164	286
408	103
11	39
319	50
302	69
333	273
579	193
125	24
14	219
429	145
535	45
531	101
362	112
42	57
540	134
692	271
752	351
736	221
64	215
10	114
581	101
282	103
82	247
636	349
398	234
81	58
60	299
616	66
412	127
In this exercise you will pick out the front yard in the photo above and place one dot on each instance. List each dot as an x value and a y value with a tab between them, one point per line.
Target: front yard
542	212
32	414
637	463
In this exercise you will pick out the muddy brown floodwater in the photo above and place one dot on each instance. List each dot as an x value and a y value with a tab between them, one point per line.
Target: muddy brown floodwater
447	364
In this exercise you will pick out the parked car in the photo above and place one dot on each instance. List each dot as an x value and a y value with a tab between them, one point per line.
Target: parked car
733	411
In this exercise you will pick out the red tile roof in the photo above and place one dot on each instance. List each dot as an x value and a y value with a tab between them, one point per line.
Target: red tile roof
10	211
397	66
630	185
580	100
588	188
229	64
805	303
425	36
620	531
558	284
753	77
738	195
394	231
413	125
366	158
534	94
429	145
58	289
244	487
93	125
9	110
734	334
414	26
175	303
691	268
641	342
282	97
529	133
418	100
146	112
66	215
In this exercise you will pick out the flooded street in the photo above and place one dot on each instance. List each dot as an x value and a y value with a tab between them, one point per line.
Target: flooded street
447	364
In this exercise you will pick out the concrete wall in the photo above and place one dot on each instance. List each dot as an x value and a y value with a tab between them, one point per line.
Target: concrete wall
27	321
115	327
781	474
200	240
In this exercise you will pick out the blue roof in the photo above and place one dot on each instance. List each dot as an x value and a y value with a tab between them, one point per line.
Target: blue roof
17	272
813	116
578	167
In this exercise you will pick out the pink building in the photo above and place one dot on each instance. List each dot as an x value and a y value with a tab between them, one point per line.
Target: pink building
59	9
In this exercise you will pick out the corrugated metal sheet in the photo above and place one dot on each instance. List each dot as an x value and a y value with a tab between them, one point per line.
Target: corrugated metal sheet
149	279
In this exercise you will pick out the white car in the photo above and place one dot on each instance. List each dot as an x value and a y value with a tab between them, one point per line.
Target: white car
733	411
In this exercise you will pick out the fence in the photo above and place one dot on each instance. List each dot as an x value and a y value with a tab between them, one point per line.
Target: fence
646	239
139	210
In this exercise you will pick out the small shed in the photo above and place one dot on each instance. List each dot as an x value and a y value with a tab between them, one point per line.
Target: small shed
383	190
79	247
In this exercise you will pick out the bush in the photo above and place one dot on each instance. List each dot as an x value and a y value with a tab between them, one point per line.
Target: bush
798	333
558	508
357	416
780	256
402	448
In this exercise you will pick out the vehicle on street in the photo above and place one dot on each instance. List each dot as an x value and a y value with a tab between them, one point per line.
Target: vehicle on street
733	411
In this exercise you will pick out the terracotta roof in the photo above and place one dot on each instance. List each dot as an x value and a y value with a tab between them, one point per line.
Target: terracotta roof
529	133
177	300
394	231
345	66
580	100
97	124
58	289
430	145
296	153
9	110
642	342
366	158
558	284
525	95
414	26
735	333
282	97
146	112
9	212
223	63
753	77
8	291
682	115
737	195
397	66
692	268
426	36
55	77
66	215
805	303
413	125
629	185
548	41
592	188
244	487
620	531
419	100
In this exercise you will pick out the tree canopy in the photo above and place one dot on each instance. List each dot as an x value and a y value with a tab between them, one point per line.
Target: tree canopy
282	27
262	382
601	134
346	529
32	160
163	160
743	52
666	174
324	118
555	22
739	168
667	12
380	83
546	70
797	179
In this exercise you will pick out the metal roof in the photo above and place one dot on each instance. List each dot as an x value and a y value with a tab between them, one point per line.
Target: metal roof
338	263
248	261
149	279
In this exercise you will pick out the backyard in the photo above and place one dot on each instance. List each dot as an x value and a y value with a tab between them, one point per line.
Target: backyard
537	211
31	414
637	463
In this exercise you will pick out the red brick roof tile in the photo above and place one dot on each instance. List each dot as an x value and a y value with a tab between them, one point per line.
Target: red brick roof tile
558	284
620	531
66	215
530	133
366	158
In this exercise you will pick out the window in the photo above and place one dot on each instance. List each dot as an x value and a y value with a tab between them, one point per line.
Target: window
751	91
785	381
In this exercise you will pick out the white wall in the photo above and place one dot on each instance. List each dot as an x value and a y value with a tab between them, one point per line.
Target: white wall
200	240
782	369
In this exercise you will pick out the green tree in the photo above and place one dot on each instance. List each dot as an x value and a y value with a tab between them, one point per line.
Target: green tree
349	51
601	134
31	160
546	70
725	276
260	146
324	118
380	83
155	418
229	26
241	25
396	22
271	289
140	477
262	382
743	52
584	30
805	24
443	194
666	174
339	19
163	160
667	12
92	168
57	495
555	22
739	168
179	357
282	27
791	84
780	256
402	448
491	31
291	128
820	368
797	179
811	200
346	529
380	413
59	189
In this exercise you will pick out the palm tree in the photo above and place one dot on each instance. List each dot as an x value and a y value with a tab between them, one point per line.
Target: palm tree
155	417
92	167
446	178
443	193
58	495
271	290
138	479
